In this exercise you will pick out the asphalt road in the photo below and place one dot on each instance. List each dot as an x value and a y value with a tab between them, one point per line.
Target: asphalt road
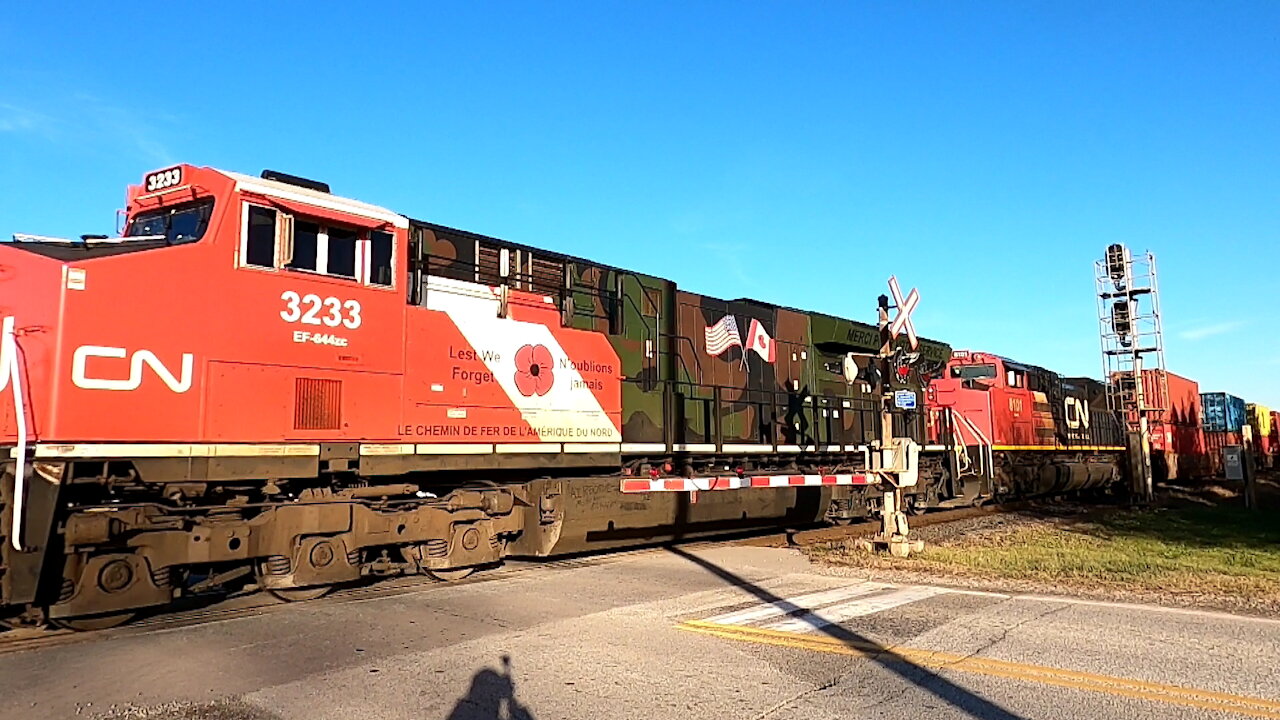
728	632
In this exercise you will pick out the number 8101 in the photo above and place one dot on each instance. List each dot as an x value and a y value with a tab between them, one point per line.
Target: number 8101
311	309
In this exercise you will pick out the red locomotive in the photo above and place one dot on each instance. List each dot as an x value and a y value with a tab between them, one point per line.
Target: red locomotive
1023	430
264	382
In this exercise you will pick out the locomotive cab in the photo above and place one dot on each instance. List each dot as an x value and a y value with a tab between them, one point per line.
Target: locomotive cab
238	327
218	281
990	395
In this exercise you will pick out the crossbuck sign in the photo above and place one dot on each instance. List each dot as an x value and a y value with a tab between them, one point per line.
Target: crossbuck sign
902	322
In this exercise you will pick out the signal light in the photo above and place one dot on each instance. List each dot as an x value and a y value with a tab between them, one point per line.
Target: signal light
870	374
1122	321
1118	265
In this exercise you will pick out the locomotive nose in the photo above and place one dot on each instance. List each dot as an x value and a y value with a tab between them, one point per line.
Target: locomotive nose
30	285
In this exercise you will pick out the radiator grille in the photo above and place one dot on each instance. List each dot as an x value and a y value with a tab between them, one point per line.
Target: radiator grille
317	404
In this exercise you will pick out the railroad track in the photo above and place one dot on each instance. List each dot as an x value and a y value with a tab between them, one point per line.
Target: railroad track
255	604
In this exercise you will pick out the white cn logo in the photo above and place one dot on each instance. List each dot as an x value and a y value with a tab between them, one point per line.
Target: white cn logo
139	359
1077	413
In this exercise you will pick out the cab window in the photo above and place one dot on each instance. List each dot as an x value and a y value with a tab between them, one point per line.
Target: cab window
274	239
341	258
380	258
973	372
260	238
306	247
177	225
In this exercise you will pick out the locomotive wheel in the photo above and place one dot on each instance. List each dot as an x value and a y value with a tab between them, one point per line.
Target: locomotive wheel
94	622
453	575
301	594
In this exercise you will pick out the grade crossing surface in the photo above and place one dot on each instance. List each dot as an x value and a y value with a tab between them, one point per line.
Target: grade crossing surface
705	632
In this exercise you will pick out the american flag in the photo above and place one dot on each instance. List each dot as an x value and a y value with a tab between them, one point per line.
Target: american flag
723	335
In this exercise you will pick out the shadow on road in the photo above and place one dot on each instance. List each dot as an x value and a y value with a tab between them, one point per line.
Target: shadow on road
492	696
974	705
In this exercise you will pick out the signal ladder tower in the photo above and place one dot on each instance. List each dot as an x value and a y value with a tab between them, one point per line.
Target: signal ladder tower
1133	347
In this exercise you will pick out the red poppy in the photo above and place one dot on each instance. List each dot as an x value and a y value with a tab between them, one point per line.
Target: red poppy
533	370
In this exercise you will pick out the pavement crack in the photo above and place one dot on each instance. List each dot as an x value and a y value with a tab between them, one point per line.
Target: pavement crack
1004	633
825	685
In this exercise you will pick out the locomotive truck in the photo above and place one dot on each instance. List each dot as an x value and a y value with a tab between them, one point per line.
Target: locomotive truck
263	382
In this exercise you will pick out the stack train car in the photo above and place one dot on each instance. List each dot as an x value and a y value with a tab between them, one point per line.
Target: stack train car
263	383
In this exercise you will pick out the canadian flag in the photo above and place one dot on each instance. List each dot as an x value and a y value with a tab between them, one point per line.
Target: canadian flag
759	340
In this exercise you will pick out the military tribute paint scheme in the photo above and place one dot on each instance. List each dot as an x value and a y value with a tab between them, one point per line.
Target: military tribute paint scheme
265	382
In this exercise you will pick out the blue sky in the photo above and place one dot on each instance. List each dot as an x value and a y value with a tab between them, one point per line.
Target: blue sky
793	152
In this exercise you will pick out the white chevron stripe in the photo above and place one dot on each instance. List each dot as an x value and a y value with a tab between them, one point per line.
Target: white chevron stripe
856	608
569	411
800	603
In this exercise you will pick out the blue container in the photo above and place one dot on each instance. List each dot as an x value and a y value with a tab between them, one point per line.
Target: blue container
1221	412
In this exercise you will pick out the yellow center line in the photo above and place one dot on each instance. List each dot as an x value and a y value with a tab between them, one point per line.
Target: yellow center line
937	660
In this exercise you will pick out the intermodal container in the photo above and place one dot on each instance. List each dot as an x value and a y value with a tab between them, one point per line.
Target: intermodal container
1177	440
1222	412
1214	442
1259	419
1274	459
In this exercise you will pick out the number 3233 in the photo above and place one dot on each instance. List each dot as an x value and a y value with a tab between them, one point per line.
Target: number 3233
311	309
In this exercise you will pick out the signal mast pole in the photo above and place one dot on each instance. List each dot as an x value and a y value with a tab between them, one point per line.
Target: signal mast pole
1132	339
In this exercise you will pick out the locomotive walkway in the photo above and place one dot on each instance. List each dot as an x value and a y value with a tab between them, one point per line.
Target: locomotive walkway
711	632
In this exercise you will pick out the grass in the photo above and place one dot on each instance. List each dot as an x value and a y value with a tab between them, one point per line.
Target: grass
1180	550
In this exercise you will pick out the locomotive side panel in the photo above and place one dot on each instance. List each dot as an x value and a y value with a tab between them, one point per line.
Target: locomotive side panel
554	385
636	313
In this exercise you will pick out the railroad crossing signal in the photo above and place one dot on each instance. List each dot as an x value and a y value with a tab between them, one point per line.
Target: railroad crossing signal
902	322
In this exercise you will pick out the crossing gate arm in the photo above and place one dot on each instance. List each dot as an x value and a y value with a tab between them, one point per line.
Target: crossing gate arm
733	482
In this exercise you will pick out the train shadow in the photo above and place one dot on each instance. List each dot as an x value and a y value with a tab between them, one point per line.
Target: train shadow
948	692
492	696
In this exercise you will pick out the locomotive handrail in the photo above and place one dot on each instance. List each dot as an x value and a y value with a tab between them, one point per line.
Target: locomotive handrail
985	455
680	358
9	371
762	398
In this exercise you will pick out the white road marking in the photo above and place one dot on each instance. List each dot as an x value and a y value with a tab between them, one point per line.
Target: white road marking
834	614
799	603
1216	615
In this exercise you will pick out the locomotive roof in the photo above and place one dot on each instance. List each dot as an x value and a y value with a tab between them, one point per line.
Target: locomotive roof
1009	362
573	258
290	191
